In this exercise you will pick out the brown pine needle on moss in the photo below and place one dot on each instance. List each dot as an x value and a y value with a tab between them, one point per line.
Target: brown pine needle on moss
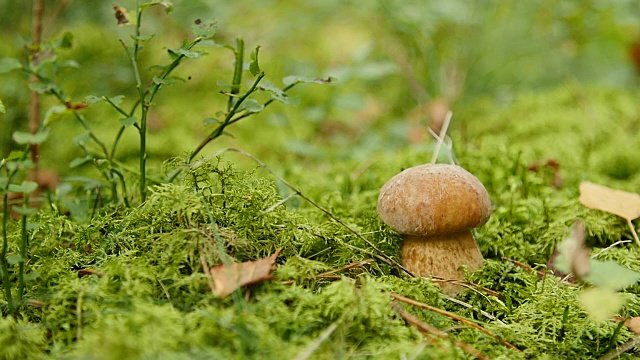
430	331
454	317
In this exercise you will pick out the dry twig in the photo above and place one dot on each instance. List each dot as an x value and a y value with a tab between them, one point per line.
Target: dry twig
452	316
430	331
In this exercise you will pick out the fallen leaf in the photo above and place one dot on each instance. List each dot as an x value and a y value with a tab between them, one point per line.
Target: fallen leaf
618	202
86	272
600	302
573	257
633	324
227	279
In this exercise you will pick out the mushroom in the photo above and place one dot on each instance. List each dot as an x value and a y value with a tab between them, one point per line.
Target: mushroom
434	207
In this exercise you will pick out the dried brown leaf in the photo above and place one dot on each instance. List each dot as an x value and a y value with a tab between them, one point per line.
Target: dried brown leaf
227	279
633	324
618	202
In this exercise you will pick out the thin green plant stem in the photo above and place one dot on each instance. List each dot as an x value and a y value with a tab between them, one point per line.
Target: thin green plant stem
6	281
220	129
237	71
23	250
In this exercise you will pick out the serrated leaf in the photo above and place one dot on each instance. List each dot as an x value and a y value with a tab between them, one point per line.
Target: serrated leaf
612	275
254	67
291	79
14	259
128	121
23	210
26	187
79	161
166	81
43	88
205	29
189	54
267	86
210	120
9	64
600	303
53	113
251	105
92	99
618	202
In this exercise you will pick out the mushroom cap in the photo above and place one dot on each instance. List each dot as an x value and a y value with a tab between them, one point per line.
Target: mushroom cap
434	199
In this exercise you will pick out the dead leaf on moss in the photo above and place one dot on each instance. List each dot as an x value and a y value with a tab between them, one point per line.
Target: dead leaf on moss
633	324
226	279
618	202
572	256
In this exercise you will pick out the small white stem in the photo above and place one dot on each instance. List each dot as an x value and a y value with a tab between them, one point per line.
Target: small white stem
443	132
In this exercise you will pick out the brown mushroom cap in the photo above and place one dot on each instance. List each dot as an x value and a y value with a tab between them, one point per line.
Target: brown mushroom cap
434	199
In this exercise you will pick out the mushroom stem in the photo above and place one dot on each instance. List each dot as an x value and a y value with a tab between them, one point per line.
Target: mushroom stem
428	255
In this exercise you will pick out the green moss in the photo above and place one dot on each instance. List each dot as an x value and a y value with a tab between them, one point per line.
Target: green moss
155	302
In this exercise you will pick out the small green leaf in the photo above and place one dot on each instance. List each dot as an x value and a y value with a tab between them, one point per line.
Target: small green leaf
128	121
79	161
92	99
600	303
2	109
81	139
210	120
32	226
66	41
15	154
24	211
190	54
168	5
54	113
26	187
69	64
43	88
288	80
251	105
31	276
117	99
166	81
9	64
28	138
14	259
142	37
205	29
611	275
254	67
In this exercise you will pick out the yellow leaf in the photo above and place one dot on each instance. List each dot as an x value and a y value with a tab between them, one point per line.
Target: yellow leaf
600	303
618	202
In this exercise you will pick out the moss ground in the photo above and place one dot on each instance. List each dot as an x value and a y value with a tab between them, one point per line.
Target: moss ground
153	300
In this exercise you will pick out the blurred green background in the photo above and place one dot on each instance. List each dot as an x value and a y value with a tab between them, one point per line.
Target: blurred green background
393	60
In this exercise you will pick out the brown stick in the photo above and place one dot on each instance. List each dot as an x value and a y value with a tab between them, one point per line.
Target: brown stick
429	330
454	317
34	102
